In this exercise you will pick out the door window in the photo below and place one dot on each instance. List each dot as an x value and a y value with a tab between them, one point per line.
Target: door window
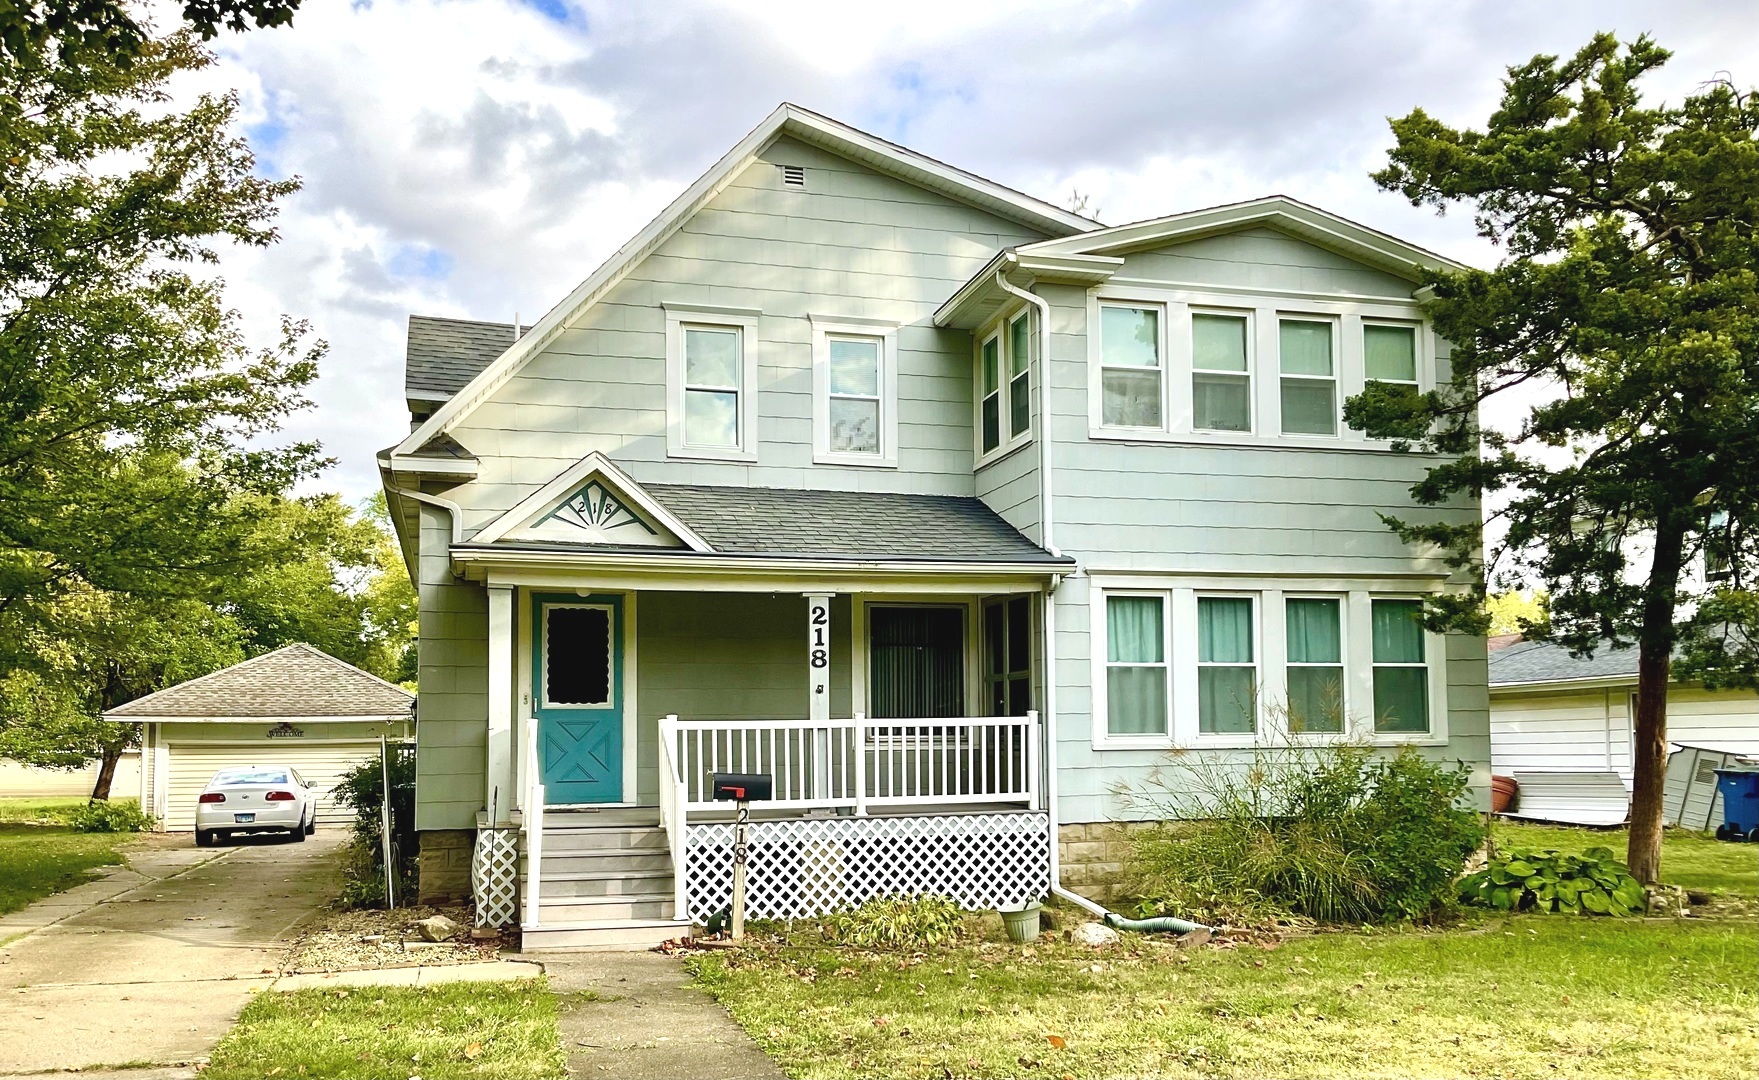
1007	656
577	656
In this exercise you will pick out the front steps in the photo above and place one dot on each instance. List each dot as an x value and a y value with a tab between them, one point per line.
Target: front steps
607	883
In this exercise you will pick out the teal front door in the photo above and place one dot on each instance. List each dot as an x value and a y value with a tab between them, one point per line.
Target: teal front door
577	695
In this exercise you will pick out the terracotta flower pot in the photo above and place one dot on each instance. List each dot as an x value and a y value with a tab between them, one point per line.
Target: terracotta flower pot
1502	793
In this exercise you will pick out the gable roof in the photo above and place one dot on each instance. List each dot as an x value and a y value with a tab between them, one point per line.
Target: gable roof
443	355
787	119
1546	662
1371	246
293	681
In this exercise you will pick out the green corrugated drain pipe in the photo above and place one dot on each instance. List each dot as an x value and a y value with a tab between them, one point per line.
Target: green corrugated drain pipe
1166	924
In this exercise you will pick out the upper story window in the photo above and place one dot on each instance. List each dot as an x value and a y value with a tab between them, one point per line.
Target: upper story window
1004	386
711	383
855	384
1170	365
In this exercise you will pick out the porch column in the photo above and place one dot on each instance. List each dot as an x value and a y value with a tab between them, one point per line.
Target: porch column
498	795
818	691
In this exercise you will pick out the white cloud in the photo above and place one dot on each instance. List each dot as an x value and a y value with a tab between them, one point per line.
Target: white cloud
477	157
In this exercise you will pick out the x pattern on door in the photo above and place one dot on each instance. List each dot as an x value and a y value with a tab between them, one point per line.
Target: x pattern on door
582	751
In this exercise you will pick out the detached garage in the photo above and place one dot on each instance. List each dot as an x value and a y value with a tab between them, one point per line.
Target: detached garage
297	706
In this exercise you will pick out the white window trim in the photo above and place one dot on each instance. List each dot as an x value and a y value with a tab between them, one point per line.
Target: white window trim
1102	664
1268	307
1343	664
1010	376
1008	440
1336	378
1170	399
1270	648
745	320
823	330
543	667
1259	733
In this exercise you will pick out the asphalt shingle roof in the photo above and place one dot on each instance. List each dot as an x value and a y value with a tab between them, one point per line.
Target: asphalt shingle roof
295	680
1543	661
860	524
444	354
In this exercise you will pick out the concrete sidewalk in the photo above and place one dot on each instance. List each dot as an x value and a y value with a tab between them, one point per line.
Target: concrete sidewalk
653	1026
154	963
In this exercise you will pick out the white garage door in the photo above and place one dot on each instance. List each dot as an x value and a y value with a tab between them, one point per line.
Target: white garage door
192	765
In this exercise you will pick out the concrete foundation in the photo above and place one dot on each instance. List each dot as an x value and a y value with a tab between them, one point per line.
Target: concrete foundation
1094	854
443	867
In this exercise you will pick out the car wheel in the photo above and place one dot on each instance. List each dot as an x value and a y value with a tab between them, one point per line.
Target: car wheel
204	838
312	825
298	834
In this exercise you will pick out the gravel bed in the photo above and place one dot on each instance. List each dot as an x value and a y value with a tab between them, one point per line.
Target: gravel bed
357	940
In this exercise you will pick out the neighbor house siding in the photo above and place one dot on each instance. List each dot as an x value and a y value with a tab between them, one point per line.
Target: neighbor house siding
1188	508
452	728
853	244
1590	728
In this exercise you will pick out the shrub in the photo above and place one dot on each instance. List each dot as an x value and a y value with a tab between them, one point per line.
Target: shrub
1332	833
361	790
100	816
896	922
1548	881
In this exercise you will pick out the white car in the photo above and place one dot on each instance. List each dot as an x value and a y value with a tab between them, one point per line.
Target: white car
255	798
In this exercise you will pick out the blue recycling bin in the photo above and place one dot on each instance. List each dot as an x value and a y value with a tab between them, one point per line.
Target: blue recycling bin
1739	789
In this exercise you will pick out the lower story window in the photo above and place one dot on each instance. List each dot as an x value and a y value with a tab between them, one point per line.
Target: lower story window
1401	669
1227	675
1136	665
1316	664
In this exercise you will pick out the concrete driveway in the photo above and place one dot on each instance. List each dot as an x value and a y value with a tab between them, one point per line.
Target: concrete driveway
158	971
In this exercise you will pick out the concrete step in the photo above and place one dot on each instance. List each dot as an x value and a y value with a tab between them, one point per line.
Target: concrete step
625	935
594	910
601	883
601	862
639	816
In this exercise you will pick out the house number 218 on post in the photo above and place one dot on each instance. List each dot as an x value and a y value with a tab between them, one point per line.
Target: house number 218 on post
818	653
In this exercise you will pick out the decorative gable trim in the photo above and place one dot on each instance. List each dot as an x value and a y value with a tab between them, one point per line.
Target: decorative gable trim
787	119
593	502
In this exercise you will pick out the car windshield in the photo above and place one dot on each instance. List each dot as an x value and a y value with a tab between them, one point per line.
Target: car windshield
235	777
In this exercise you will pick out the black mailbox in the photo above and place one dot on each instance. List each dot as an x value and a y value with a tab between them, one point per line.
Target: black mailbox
740	786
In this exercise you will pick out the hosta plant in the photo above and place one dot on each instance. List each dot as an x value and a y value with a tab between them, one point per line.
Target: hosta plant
1529	879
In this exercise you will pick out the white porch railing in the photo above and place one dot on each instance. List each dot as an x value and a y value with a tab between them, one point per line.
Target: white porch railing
531	816
859	764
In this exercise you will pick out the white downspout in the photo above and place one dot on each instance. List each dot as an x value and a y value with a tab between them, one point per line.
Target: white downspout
1045	522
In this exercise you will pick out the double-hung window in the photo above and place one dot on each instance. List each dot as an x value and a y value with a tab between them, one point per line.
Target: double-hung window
1227	674
711	377
855	393
1315	652
1401	668
1136	665
1389	354
1004	378
1130	374
1309	377
1221	379
990	407
1019	376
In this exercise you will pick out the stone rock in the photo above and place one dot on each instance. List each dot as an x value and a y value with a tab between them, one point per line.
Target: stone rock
1667	900
484	933
1199	936
1095	934
436	928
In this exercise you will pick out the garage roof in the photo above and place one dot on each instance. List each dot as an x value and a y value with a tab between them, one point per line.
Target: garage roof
293	681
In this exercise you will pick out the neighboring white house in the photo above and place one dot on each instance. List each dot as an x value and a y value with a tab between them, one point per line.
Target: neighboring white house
295	706
20	781
1562	727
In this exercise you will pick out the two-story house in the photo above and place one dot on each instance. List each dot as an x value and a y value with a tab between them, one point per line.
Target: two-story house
952	511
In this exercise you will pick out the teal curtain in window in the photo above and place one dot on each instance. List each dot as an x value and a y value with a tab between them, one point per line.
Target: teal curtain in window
1398	636
1225	701
1133	629
1306	347
1316	699
1390	352
1218	342
1224	629
1314	634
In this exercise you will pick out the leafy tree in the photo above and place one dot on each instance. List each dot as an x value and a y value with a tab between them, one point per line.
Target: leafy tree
390	603
1628	299
33	32
1516	612
128	396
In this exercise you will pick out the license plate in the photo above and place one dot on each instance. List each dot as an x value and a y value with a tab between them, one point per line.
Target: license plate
243	819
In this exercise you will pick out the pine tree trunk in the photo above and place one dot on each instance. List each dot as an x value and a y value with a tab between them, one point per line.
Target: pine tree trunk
1649	730
107	770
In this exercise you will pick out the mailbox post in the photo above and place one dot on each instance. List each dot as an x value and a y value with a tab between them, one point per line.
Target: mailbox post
741	788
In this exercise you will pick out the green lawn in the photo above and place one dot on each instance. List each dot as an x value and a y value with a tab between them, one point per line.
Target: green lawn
481	1031
1497	996
39	855
1689	859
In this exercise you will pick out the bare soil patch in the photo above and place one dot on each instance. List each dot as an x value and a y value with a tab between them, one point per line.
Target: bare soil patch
366	940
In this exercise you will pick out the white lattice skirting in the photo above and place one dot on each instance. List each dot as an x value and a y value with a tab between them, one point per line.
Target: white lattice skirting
812	866
494	877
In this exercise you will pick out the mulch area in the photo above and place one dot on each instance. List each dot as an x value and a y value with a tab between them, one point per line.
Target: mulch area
367	940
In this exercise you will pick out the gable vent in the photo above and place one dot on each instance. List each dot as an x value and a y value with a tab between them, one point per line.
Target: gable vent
794	176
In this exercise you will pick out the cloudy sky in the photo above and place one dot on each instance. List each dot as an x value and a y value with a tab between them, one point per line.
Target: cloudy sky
478	158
